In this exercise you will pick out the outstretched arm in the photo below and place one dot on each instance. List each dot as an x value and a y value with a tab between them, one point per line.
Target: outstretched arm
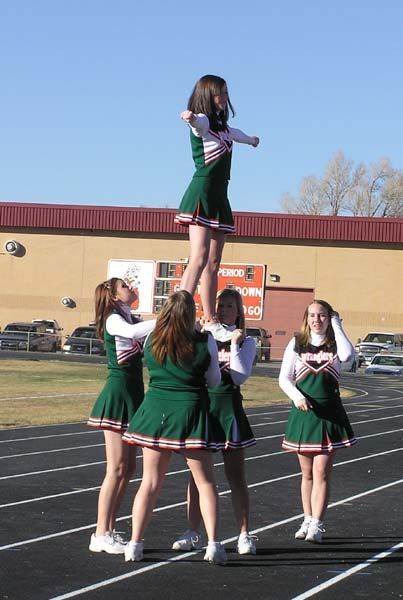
117	325
239	136
198	123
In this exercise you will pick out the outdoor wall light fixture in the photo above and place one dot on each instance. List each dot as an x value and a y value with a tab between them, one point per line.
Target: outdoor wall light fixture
68	302
14	248
274	277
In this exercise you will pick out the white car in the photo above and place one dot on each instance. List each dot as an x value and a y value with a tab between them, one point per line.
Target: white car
386	364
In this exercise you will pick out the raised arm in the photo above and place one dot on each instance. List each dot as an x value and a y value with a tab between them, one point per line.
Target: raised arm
345	349
117	325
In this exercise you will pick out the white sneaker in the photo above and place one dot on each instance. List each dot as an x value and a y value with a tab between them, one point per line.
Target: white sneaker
215	553
315	532
246	544
190	540
218	331
300	534
106	543
134	551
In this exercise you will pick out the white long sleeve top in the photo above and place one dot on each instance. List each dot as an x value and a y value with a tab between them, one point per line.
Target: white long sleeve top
293	363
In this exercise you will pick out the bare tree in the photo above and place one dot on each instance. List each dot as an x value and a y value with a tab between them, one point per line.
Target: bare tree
344	188
367	197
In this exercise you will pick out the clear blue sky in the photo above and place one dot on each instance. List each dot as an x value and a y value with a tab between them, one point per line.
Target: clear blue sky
91	92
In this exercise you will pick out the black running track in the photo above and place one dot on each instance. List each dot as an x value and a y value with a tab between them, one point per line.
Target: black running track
49	482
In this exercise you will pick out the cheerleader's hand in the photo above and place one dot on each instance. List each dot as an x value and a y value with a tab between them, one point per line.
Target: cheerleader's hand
255	141
187	115
303	405
238	336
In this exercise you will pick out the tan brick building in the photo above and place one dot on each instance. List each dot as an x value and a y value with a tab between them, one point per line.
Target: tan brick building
354	263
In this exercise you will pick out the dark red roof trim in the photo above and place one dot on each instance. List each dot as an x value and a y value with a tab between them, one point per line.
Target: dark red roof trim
155	220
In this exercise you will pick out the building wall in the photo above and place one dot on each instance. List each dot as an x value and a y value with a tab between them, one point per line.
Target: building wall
364	283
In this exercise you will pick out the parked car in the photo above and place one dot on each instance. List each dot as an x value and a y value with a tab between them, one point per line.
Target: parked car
53	327
84	340
27	336
376	341
386	364
263	345
351	365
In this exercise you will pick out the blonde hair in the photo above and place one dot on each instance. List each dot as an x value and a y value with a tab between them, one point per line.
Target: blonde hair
174	331
231	293
303	336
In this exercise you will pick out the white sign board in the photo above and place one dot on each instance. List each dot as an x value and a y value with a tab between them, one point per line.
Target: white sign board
139	276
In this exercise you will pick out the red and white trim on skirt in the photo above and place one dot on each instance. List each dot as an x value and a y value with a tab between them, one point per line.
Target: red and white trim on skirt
318	447
164	443
192	219
105	423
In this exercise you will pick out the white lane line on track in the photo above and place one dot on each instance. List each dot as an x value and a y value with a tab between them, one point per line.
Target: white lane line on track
367	563
48	396
46	437
50	451
142	570
167	507
96	488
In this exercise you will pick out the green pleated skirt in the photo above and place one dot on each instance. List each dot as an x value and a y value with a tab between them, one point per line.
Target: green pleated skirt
117	403
170	423
229	425
322	429
206	203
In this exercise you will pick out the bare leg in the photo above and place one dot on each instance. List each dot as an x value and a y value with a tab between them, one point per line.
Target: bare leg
306	464
155	464
322	467
199	238
130	470
193	506
200	462
115	481
209	276
234	461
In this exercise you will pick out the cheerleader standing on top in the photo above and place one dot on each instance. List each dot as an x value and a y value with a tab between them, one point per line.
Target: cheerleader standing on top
230	429
205	208
174	417
317	424
121	396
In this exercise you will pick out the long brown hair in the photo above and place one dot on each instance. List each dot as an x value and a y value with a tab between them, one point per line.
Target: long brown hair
302	338
202	101
105	303
174	331
231	293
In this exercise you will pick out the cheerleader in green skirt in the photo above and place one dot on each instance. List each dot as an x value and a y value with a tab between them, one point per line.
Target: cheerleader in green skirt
230	429
205	208
317	424
121	396
174	417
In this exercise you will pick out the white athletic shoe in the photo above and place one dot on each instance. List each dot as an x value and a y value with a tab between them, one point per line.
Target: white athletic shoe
300	534
246	544
106	543
315	532
190	540
215	553
218	331
134	551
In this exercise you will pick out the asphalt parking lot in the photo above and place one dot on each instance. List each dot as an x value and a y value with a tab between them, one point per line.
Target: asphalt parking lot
49	483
